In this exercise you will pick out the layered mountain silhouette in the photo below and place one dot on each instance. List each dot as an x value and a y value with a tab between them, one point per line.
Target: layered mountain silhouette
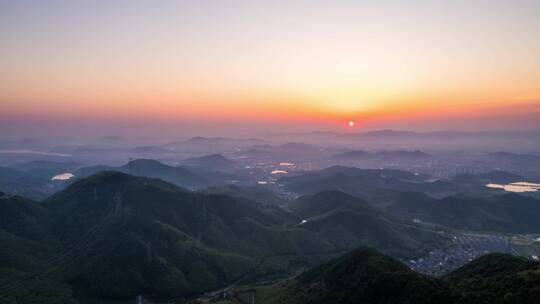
402	156
347	221
214	162
114	235
181	176
366	183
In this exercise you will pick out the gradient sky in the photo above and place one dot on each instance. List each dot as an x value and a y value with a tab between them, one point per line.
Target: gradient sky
296	64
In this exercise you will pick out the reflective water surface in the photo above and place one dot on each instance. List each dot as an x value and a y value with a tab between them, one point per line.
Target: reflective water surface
516	187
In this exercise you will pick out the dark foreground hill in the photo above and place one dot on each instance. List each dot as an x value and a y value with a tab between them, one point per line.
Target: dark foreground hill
367	276
26	248
114	236
497	278
138	235
363	276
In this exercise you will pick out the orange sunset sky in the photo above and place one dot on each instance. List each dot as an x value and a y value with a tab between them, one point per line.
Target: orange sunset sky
419	65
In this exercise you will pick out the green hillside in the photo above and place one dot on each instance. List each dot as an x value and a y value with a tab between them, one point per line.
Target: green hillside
511	213
366	183
497	278
347	222
114	236
362	276
367	276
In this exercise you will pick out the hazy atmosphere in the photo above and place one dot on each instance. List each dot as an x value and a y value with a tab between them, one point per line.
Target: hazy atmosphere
198	66
269	152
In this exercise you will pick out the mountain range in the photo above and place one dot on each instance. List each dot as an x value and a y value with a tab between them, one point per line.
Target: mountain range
192	178
113	235
366	183
507	213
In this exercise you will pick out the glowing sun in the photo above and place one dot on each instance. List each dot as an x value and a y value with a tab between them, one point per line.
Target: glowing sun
351	123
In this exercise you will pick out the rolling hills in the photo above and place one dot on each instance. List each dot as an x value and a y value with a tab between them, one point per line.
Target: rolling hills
113	236
194	177
366	183
510	213
367	276
347	221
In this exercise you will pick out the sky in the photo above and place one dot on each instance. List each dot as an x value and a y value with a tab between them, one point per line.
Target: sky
251	66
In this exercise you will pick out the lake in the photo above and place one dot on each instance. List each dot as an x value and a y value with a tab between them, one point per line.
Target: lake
516	187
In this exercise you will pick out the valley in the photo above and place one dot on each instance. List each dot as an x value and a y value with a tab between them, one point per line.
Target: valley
212	226
269	152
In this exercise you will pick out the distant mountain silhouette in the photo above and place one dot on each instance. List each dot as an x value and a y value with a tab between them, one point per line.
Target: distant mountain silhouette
383	155
51	166
297	146
149	150
389	133
215	162
211	143
152	168
177	175
24	143
482	179
365	182
487	141
255	193
353	155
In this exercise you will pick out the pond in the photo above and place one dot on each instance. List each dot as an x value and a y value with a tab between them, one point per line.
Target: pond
516	187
